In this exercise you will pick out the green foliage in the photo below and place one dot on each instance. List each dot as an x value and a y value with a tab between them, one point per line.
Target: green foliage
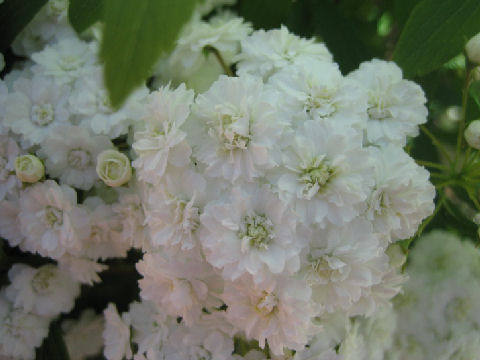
340	36
14	16
266	14
435	32
475	92
84	13
136	34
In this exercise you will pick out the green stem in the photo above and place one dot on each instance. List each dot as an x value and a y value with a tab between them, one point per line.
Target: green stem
219	57
431	164
437	143
461	125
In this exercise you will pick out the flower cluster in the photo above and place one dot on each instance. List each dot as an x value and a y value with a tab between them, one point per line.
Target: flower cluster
263	204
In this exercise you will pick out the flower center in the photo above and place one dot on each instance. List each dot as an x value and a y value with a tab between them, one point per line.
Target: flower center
320	102
316	176
378	109
267	304
233	127
42	114
41	281
257	232
53	217
56	7
69	62
187	216
324	269
79	159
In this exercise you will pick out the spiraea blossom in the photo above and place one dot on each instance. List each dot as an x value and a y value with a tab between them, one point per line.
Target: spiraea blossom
402	195
265	52
235	129
21	332
252	232
279	313
163	141
45	291
51	220
70	155
395	106
318	91
35	107
262	207
180	286
325	173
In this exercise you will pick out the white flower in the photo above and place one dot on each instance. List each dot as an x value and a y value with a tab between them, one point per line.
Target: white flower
9	222
341	262
47	26
83	336
36	107
20	332
105	239
251	232
402	195
173	209
265	52
8	153
45	291
50	219
472	134
113	167
473	49
207	339
325	173
90	103
29	168
277	313
132	217
235	129
180	286
204	7
223	32
66	60
395	106
150	327
163	142
116	334
71	155
83	270
317	90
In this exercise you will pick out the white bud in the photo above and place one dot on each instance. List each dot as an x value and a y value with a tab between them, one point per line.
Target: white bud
29	168
472	134
113	167
473	49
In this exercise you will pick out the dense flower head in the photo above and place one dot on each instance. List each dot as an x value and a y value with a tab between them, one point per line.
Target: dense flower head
263	206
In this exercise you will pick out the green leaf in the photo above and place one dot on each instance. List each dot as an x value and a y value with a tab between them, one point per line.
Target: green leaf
14	16
340	36
435	32
475	92
402	9
53	346
84	13
136	33
266	14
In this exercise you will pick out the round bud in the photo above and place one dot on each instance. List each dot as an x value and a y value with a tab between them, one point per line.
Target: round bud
472	134
473	49
113	168
29	168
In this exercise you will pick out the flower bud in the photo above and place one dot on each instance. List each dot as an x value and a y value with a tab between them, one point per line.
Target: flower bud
473	49
472	134
113	167
29	168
